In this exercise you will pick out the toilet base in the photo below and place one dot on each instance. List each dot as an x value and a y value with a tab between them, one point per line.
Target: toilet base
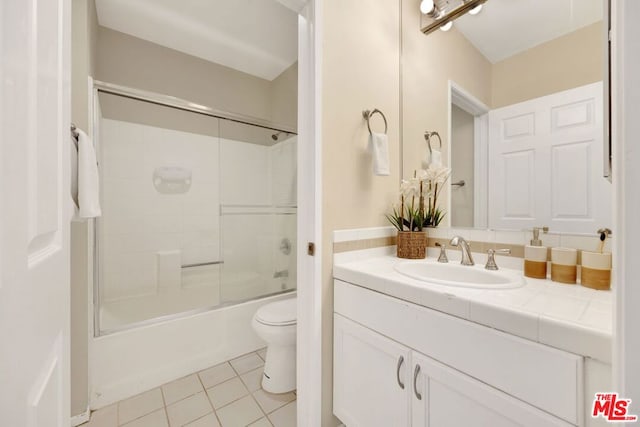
280	369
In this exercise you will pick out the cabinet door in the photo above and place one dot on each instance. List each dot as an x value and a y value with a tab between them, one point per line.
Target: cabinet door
371	378
444	397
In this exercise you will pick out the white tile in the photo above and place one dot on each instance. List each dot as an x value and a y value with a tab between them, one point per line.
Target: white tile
216	375
345	235
189	409
262	353
227	392
154	419
575	338
550	240
246	363
253	379
512	237
262	422
513	321
285	416
179	389
439	233
583	242
270	402
207	421
137	406
474	234
240	413
376	232
105	417
558	306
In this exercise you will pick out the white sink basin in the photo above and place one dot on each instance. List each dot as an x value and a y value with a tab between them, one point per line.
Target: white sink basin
454	274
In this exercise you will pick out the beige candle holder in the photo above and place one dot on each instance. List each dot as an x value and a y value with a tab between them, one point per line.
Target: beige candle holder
596	270
564	265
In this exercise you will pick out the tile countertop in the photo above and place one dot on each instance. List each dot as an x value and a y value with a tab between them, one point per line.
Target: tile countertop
569	317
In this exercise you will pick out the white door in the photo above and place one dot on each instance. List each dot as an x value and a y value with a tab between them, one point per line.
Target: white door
34	212
371	381
444	397
545	163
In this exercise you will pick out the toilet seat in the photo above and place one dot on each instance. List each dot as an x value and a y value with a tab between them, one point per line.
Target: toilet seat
280	313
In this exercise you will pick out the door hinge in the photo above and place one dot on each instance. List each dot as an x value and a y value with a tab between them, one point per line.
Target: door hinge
311	248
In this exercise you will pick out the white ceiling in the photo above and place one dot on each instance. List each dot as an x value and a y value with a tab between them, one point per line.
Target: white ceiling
506	27
258	37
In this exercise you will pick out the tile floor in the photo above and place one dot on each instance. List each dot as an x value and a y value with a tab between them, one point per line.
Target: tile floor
226	395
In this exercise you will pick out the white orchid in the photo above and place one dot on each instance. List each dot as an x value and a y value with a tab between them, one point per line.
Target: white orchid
410	188
436	174
419	195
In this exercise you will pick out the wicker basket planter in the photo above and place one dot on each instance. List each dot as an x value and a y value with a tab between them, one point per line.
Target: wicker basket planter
412	244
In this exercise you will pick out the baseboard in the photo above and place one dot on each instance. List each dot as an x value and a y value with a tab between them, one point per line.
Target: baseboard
82	418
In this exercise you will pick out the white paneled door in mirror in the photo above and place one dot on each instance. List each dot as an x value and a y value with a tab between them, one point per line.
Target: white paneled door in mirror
35	201
545	156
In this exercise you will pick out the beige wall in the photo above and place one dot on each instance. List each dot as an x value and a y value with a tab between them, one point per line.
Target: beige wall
133	62
360	70
462	167
84	36
284	98
573	60
429	62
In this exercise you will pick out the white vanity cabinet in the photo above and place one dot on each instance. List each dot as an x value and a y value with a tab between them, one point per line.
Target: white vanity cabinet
371	377
400	364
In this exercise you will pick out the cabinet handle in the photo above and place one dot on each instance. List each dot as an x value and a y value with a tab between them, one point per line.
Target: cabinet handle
400	362
416	372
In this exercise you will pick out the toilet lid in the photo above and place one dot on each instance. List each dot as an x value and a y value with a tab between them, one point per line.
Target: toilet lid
279	313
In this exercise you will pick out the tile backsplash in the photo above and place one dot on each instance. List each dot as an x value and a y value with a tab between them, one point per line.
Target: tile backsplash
480	240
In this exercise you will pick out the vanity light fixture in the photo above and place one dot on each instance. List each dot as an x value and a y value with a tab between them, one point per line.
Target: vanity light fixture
426	6
441	13
447	26
476	10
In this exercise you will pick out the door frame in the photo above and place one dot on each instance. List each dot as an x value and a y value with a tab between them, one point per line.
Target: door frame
309	315
464	100
625	37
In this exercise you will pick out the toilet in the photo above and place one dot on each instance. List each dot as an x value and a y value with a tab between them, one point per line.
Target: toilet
275	323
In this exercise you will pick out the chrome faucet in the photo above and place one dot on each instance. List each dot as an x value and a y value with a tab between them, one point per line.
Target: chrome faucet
458	241
491	257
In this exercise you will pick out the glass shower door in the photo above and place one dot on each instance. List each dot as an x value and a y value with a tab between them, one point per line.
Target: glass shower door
158	241
258	211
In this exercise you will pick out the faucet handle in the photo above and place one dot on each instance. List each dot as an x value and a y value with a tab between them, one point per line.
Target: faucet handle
443	252
491	259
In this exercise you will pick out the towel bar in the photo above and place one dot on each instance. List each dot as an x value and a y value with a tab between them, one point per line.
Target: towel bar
367	116
427	137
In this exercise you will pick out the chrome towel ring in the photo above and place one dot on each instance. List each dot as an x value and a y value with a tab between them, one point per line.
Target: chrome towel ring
367	114
427	137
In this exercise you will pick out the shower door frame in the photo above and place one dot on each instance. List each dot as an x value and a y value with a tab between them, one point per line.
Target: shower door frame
179	104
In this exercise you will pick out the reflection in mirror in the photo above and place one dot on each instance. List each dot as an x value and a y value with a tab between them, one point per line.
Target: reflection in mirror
534	154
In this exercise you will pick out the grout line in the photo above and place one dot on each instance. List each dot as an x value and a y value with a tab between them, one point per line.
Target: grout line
143	415
215	412
283	405
164	401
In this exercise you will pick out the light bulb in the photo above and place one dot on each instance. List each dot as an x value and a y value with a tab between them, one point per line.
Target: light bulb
475	10
426	6
447	26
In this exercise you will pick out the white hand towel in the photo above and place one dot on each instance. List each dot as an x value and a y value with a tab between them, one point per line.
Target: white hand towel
88	186
379	147
436	158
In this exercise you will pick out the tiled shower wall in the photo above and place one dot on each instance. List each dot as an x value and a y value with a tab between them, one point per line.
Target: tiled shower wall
253	186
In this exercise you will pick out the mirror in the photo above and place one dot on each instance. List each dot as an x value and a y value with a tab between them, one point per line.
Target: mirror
518	92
